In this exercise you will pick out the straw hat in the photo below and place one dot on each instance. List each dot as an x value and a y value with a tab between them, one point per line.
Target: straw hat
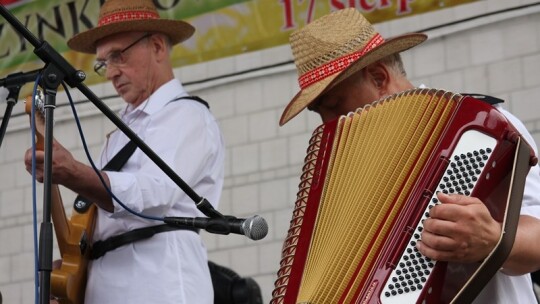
334	47
117	16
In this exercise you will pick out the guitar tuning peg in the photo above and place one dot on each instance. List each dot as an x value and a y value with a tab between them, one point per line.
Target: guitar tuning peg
38	100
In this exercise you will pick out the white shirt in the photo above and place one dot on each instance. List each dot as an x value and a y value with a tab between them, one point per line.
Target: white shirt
504	289
170	267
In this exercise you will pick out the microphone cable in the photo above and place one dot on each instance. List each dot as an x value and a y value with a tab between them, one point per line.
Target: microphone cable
34	195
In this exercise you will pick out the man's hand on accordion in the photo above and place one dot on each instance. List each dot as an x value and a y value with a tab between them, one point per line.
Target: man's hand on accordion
460	229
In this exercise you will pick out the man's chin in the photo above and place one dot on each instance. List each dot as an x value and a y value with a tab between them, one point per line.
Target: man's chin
124	94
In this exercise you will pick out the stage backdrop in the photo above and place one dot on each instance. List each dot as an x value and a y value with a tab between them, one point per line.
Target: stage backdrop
223	27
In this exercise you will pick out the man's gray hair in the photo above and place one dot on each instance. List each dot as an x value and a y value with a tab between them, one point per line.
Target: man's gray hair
394	62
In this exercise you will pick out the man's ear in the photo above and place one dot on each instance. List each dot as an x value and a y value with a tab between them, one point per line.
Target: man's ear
379	75
159	46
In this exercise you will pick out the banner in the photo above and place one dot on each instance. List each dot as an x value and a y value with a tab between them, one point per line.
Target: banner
223	27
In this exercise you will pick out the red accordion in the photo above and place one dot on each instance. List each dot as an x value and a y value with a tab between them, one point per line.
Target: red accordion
368	182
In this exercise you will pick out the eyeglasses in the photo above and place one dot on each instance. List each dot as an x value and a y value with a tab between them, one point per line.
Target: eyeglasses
116	58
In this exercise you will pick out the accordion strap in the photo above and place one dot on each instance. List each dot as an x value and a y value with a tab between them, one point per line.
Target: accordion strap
486	98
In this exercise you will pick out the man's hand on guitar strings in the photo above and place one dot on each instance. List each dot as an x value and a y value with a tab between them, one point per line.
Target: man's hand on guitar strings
63	163
74	175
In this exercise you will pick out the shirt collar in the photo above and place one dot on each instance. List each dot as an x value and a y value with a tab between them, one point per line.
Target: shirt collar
162	96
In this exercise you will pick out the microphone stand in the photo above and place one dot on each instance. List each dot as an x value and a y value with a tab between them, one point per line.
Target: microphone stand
56	71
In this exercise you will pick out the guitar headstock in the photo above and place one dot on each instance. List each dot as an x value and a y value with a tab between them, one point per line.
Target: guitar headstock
38	100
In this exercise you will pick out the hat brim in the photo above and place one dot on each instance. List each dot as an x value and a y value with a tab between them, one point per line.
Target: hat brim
176	30
306	96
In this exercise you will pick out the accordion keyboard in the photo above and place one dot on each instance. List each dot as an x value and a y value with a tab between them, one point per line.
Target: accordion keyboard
465	166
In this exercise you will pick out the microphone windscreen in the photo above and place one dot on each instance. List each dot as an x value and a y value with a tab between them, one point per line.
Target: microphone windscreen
255	227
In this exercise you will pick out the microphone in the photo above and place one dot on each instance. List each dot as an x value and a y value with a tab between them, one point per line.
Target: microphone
254	227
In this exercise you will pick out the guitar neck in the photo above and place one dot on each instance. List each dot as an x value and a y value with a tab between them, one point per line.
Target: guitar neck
62	226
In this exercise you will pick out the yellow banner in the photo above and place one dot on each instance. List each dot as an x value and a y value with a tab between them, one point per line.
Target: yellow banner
223	27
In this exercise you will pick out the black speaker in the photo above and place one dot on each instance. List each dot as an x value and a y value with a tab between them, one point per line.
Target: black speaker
231	288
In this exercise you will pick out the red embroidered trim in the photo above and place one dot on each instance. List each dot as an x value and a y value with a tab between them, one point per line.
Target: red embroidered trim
127	16
337	65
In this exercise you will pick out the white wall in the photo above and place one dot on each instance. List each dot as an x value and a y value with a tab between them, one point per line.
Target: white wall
498	54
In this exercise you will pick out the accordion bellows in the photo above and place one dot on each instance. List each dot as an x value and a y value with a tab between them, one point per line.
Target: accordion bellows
368	182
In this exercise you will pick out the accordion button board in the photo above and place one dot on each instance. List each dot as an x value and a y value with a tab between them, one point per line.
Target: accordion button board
466	165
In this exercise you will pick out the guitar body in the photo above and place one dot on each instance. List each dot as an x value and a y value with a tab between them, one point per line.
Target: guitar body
74	235
68	282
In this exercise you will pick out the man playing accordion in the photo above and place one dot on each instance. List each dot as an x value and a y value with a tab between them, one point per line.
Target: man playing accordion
344	64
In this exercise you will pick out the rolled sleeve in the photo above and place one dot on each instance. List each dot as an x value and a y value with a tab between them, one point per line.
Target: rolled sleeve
531	195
